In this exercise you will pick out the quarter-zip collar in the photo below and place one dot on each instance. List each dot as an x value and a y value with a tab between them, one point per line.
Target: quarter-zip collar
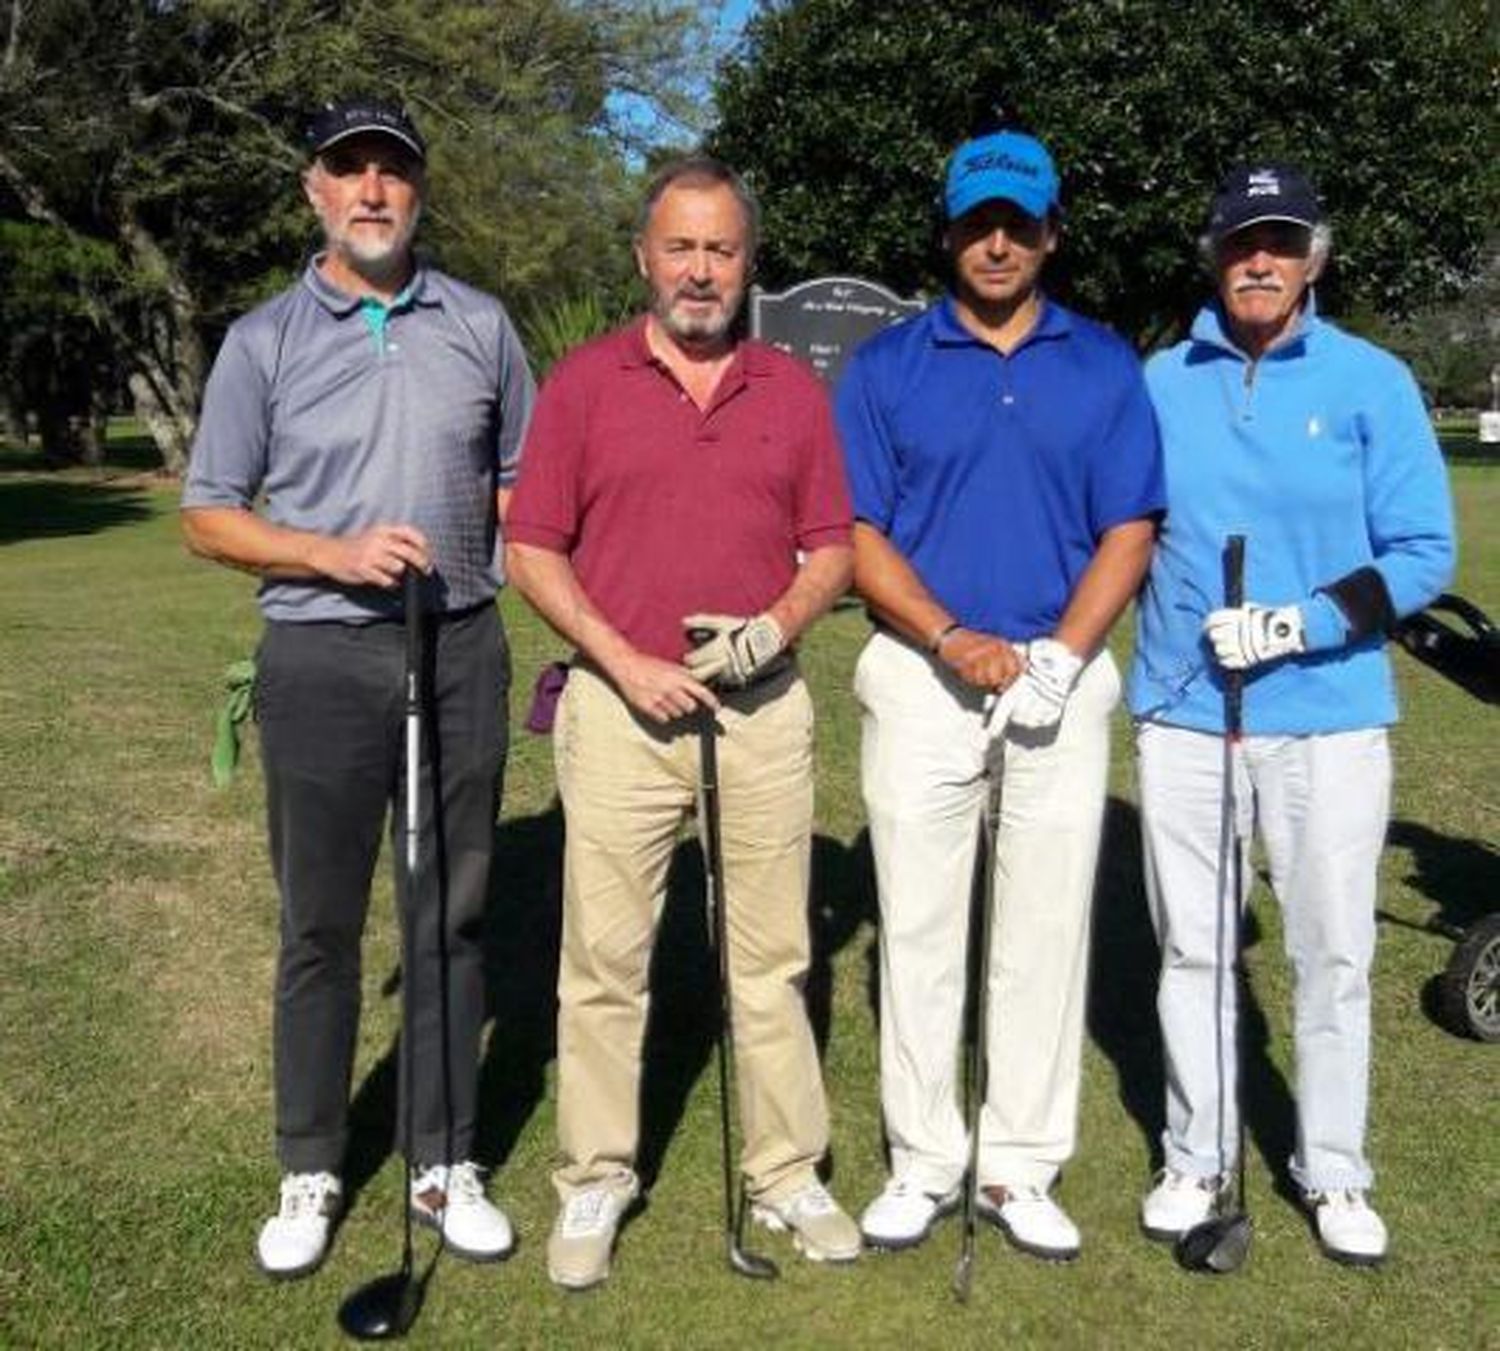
1211	329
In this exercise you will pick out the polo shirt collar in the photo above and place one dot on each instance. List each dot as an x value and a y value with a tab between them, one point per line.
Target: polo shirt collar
750	358
948	330
417	292
1212	329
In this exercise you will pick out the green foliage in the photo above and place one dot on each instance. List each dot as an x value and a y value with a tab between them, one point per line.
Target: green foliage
170	134
552	330
1452	348
843	112
53	351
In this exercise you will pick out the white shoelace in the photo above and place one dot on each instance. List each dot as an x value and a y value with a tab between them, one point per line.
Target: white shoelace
307	1195
1180	1182
812	1201
462	1184
584	1215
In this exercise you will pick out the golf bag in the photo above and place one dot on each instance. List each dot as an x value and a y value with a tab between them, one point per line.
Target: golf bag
1469	659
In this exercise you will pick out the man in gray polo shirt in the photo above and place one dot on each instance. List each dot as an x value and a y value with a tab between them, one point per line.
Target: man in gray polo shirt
376	411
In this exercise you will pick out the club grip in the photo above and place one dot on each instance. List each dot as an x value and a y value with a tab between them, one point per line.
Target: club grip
411	594
1234	595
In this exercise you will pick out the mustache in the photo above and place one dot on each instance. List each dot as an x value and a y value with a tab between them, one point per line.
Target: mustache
691	291
1270	287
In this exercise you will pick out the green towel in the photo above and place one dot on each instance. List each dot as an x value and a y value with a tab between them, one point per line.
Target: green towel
239	681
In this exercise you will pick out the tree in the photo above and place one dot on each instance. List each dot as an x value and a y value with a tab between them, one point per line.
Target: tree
166	131
843	111
55	358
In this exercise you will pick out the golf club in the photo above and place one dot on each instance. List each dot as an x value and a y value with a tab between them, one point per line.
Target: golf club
741	1261
976	1059
1221	1243
386	1308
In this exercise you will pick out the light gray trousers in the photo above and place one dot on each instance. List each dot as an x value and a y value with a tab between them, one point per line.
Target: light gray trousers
1321	804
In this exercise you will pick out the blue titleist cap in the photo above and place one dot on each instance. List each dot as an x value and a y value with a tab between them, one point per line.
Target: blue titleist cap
1004	164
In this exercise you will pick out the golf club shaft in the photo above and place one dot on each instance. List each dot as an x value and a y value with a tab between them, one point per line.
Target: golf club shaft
977	1068
735	1199
713	883
412	679
1234	699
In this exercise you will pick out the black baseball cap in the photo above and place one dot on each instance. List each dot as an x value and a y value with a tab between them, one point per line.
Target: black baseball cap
1251	193
335	122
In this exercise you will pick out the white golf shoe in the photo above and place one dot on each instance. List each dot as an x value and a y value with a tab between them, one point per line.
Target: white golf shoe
1031	1220
1349	1230
583	1238
820	1229
294	1241
903	1214
453	1201
1177	1203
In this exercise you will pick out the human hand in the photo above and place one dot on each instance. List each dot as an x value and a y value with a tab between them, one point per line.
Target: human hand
1043	689
731	651
661	690
378	556
1247	635
980	659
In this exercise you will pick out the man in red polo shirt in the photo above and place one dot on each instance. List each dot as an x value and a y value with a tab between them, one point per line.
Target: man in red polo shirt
672	475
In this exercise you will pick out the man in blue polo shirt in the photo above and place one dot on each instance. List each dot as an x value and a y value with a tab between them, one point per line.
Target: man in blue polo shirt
1316	448
1006	479
378	406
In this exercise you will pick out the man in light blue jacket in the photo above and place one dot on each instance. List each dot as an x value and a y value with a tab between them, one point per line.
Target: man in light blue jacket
1315	447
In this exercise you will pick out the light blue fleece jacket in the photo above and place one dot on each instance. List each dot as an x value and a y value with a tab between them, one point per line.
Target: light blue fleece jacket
1322	455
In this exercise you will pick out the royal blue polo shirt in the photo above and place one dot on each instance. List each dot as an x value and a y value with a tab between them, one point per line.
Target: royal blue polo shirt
995	476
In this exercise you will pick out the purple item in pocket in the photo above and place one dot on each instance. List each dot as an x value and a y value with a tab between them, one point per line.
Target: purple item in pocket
544	696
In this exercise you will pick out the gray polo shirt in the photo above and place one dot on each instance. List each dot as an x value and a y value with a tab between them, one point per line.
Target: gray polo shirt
345	415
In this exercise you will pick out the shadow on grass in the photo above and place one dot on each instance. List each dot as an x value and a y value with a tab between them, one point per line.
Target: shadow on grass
523	937
1122	1008
1465	447
50	508
1462	876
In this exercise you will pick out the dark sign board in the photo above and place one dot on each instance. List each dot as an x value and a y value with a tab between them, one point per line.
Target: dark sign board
824	320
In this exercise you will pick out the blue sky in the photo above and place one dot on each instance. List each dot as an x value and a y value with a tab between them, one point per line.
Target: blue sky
729	23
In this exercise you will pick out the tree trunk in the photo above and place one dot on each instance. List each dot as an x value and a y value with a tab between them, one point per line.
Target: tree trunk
168	359
172	432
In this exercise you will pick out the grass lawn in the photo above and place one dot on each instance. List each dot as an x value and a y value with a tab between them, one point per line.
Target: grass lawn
137	924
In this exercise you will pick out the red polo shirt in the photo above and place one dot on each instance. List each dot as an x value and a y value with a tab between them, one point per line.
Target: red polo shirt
665	509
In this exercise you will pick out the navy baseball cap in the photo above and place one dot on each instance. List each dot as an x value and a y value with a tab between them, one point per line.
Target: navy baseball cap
335	122
1251	193
1004	164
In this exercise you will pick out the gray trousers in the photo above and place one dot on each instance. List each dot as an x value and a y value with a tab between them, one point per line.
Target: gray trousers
1321	803
329	701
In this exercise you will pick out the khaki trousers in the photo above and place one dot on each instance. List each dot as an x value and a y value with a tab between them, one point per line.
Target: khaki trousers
626	788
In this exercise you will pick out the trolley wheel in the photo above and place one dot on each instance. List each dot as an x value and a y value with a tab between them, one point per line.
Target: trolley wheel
1470	987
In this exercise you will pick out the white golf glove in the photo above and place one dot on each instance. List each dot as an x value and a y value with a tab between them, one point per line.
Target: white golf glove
1043	689
1247	635
738	651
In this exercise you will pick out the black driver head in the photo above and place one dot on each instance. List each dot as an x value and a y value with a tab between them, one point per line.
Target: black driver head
1219	1246
383	1310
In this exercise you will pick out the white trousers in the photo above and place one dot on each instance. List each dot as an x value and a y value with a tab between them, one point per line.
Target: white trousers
1321	803
922	764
